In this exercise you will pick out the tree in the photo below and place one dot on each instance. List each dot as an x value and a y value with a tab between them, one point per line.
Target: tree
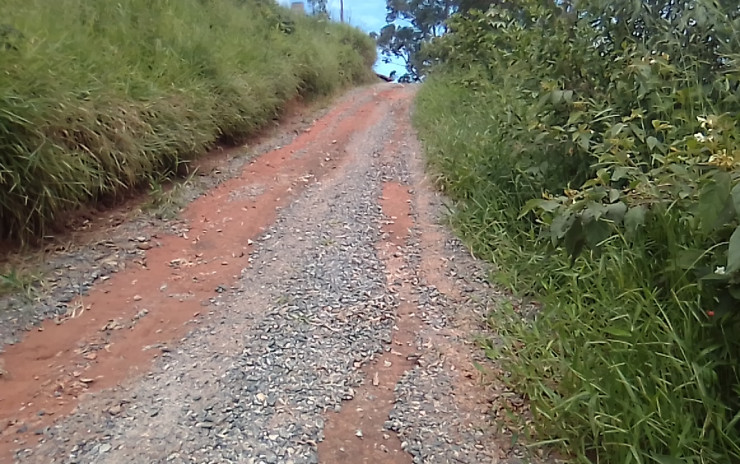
410	23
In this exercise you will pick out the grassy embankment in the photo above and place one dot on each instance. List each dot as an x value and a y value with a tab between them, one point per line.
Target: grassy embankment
98	98
596	163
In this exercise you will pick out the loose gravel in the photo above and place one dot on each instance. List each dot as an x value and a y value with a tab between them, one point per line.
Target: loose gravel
252	382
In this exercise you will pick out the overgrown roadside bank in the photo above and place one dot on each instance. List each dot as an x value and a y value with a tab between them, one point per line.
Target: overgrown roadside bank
97	99
594	159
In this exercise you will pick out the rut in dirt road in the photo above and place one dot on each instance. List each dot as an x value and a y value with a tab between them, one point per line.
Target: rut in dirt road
314	311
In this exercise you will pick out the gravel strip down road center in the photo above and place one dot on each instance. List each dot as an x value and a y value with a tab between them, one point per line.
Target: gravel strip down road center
312	308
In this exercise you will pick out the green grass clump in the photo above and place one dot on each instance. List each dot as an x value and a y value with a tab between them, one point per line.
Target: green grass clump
594	158
15	282
99	97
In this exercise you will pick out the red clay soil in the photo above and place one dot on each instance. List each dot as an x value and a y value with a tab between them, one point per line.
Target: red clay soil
111	338
356	433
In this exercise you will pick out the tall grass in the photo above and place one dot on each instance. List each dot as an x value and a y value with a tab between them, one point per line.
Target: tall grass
97	97
634	356
619	369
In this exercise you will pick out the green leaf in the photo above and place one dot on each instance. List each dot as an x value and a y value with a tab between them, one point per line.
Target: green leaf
617	128
726	303
592	212
635	218
733	253
538	203
560	226
736	198
575	117
713	199
662	459
714	277
584	139
661	125
639	133
617	332
616	211
621	172
574	240
596	232
652	142
688	259
614	195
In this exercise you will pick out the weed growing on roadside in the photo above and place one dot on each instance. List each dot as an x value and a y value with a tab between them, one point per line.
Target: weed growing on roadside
15	282
594	160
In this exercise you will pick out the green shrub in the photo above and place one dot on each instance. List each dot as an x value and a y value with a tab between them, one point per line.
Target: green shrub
97	97
610	133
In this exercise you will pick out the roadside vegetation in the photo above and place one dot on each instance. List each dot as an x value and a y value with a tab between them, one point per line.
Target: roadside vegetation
98	98
592	152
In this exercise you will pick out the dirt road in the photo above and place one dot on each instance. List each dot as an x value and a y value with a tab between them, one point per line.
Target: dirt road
309	309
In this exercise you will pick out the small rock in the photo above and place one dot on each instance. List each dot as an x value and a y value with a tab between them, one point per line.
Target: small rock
115	410
270	457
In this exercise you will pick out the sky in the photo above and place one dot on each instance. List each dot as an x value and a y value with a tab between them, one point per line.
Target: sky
368	15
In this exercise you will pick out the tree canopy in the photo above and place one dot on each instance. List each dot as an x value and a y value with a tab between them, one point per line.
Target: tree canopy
410	23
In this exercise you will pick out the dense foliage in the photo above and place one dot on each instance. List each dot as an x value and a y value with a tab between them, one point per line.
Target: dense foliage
412	23
98	97
592	147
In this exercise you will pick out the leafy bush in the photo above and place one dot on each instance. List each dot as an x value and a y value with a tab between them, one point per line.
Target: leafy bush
611	132
96	97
